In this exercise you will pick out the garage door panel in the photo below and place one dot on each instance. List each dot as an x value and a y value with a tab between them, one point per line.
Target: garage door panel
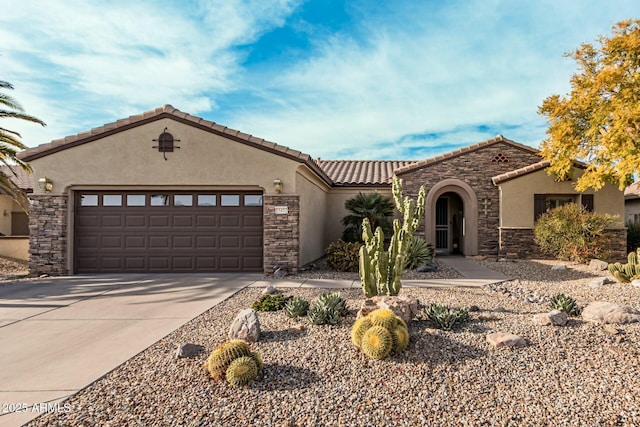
252	242
183	242
137	237
252	221
229	242
111	221
87	242
229	221
135	242
135	220
159	242
112	242
159	221
181	221
206	220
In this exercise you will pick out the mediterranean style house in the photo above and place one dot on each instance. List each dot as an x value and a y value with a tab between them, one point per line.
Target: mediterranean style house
165	191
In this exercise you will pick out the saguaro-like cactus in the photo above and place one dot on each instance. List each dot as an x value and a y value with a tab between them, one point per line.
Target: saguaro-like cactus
626	273
380	270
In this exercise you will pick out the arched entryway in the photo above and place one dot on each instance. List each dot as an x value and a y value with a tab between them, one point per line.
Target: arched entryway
451	218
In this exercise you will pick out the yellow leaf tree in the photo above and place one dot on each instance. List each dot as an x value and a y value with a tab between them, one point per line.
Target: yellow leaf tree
598	122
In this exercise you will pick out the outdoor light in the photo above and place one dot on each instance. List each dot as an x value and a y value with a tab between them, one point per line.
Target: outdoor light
45	184
277	184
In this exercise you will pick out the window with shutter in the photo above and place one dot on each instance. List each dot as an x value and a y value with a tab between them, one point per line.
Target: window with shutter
539	205
587	202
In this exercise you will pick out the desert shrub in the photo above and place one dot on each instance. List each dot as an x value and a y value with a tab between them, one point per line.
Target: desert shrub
443	317
420	253
270	302
565	303
572	233
377	208
633	236
343	256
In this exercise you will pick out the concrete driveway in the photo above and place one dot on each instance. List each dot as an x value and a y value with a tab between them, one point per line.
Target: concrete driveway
58	335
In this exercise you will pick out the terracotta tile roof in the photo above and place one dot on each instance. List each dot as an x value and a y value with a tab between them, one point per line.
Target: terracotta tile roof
167	111
461	151
519	172
21	178
361	172
632	191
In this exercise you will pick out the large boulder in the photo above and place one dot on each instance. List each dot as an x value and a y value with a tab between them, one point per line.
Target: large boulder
405	308
554	318
609	312
502	339
598	265
245	326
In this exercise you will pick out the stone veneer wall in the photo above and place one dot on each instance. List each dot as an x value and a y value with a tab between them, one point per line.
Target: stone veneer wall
476	168
520	243
281	234
48	235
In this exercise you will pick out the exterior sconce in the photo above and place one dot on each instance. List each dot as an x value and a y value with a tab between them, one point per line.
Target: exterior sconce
277	185
45	184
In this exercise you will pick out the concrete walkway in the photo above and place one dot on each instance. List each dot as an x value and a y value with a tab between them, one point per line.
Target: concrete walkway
59	335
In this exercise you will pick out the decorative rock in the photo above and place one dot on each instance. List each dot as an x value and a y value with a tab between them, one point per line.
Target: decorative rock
427	268
487	316
189	350
600	281
636	283
559	267
501	339
598	265
611	330
403	307
554	318
245	326
608	312
269	290
297	328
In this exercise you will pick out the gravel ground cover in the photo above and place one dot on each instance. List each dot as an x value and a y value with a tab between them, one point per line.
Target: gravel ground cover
574	375
11	269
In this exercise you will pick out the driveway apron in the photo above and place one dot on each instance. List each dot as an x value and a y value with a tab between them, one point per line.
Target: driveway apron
61	334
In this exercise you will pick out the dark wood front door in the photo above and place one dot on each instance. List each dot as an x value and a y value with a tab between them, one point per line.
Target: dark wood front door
167	231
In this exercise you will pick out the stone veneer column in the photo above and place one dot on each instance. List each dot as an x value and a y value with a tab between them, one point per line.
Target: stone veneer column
48	234
281	233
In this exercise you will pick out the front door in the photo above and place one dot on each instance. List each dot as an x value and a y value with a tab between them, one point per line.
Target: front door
442	225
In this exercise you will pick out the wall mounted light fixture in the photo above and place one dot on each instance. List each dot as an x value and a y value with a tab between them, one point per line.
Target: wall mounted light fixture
45	184
277	185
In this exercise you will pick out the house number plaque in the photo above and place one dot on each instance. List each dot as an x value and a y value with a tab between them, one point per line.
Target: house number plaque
282	210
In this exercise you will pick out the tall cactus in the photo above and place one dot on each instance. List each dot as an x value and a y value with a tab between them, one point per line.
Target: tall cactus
380	270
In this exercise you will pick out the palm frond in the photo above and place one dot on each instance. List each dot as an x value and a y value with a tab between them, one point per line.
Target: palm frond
8	187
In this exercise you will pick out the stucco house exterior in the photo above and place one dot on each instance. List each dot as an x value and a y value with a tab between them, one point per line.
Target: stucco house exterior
165	191
14	222
632	203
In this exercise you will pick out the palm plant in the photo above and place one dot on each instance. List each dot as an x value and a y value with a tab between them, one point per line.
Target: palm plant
373	206
10	144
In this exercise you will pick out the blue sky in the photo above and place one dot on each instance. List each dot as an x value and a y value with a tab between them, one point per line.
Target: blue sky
337	79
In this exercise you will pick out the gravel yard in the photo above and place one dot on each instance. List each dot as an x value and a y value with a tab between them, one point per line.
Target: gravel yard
578	374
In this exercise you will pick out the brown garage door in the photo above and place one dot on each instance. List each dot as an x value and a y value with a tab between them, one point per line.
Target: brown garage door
167	231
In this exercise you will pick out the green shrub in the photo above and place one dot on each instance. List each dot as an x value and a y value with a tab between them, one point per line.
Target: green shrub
565	303
270	302
420	253
571	233
377	208
343	256
444	317
633	236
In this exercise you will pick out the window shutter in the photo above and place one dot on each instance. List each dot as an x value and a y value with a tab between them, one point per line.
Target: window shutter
539	205
587	202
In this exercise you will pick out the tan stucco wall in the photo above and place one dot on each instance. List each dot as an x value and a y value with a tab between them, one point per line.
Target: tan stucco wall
15	247
128	159
336	211
313	210
6	207
516	197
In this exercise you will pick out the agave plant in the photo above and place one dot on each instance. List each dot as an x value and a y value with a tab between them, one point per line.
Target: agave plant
420	253
565	303
445	318
296	307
